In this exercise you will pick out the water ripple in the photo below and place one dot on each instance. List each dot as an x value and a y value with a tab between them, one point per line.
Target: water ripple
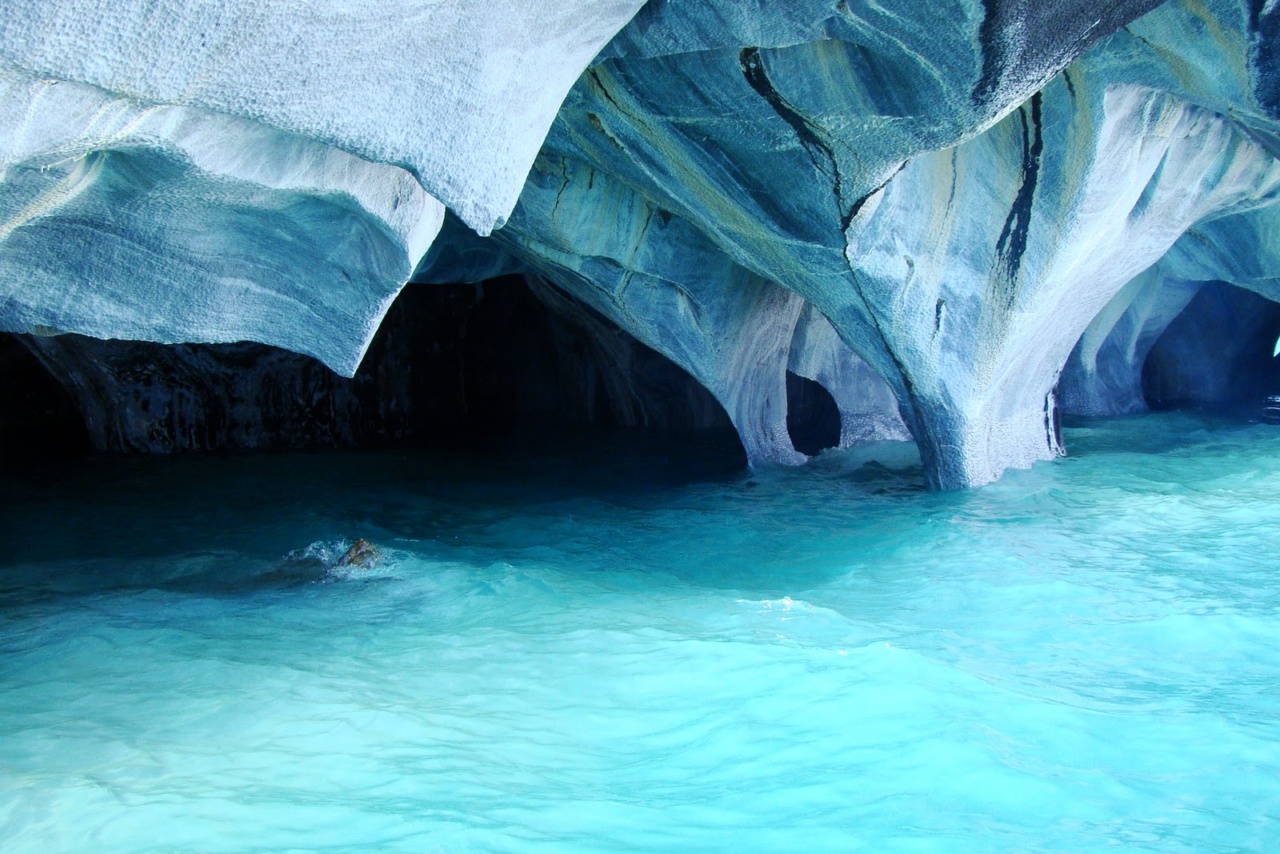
624	657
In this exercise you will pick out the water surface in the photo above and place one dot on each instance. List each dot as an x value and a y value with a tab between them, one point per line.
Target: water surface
619	643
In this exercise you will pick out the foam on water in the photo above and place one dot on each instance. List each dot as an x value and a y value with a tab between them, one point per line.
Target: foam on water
637	646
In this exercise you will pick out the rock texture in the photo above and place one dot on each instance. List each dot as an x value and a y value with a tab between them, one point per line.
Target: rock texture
459	94
955	203
165	223
1104	374
262	170
955	218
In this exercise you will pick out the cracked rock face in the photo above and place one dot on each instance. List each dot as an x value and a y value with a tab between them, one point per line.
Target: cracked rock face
954	218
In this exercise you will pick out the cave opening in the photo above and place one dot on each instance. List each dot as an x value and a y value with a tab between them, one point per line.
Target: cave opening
506	362
813	418
1217	354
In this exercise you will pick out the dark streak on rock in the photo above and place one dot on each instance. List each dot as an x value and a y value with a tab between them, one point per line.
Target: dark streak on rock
758	78
860	203
993	55
644	229
594	74
564	185
1012	244
819	152
1053	424
955	176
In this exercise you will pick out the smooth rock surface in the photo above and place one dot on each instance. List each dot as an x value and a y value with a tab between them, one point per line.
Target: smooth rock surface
459	93
263	171
179	224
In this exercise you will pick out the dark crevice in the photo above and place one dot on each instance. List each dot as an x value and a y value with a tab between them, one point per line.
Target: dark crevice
1053	424
754	71
564	185
594	74
451	363
38	418
820	153
861	203
813	418
1012	243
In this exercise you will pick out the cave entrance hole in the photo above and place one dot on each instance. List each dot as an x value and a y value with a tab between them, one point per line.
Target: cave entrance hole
1218	354
813	418
523	356
502	363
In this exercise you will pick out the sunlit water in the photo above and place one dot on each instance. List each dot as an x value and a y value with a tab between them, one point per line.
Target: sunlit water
630	646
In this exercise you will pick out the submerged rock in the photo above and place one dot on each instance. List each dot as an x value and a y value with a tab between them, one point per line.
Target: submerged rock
362	555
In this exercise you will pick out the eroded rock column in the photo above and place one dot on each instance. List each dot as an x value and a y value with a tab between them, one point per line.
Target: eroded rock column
980	267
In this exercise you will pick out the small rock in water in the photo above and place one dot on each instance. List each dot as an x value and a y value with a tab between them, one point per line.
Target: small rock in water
362	555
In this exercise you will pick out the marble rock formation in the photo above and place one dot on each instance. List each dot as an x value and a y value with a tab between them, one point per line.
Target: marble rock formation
954	217
959	206
1104	373
262	170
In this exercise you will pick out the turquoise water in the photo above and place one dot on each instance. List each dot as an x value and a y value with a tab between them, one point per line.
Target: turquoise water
619	645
